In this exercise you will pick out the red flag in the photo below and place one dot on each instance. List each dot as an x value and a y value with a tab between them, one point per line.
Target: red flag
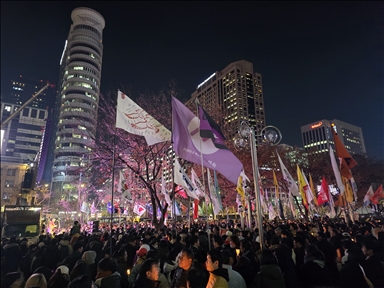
181	192
344	170
323	196
342	152
378	194
195	208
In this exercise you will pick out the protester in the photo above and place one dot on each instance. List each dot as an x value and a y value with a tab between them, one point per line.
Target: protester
148	275
235	279
107	275
197	278
218	276
270	275
374	269
185	263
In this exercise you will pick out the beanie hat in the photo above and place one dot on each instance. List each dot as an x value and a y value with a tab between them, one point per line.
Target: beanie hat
89	257
63	269
143	250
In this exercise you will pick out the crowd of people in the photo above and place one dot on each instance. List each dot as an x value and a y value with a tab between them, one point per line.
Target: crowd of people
318	253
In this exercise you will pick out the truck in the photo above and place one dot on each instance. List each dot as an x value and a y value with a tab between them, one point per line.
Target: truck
22	221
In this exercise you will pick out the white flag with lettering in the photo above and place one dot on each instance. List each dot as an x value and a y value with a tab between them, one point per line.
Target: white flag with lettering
133	119
183	180
292	186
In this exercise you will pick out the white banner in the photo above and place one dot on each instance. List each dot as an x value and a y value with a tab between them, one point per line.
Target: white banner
133	119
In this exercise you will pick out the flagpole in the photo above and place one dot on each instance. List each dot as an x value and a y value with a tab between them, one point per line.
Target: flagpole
112	190
201	158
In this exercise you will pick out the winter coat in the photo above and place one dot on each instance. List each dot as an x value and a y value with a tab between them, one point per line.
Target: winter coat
71	260
131	251
179	279
374	270
314	274
12	257
144	282
270	276
218	278
65	251
122	269
351	276
51	257
135	270
111	281
284	257
235	279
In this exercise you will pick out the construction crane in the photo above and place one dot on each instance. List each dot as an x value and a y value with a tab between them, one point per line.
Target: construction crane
14	114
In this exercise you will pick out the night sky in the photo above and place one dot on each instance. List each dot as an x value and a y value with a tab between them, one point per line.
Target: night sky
319	60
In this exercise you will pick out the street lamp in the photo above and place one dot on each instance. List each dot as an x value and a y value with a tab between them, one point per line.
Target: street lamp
245	139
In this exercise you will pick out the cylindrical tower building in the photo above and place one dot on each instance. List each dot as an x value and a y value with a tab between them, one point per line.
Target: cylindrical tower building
77	99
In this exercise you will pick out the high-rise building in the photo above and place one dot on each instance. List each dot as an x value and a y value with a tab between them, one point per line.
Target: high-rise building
23	134
22	89
237	93
317	137
77	99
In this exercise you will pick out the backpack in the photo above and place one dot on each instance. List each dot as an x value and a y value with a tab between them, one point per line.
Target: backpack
63	252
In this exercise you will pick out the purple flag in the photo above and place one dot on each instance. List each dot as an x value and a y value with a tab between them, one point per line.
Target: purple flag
209	129
187	144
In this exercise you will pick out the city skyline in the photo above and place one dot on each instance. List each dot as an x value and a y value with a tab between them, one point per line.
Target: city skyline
318	60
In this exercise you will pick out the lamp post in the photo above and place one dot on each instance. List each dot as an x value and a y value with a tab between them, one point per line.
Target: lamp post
246	137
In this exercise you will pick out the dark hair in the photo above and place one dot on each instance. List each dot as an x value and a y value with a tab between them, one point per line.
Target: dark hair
108	264
147	266
371	244
76	222
58	280
189	253
348	244
9	278
299	239
235	240
120	253
218	239
313	251
83	281
197	278
163	244
267	258
226	256
77	245
152	254
193	239
321	234
216	256
246	244
79	269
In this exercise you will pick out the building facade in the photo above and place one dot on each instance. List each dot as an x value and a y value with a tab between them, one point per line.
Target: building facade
77	99
236	92
22	89
23	134
317	137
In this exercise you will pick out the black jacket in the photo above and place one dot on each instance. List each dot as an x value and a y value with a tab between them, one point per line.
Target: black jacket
374	270
111	281
144	282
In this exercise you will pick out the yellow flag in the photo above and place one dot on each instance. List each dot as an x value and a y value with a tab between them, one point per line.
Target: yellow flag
348	190
313	189
302	184
239	187
276	184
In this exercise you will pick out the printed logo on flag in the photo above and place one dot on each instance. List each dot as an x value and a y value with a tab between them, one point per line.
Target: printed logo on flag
139	210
